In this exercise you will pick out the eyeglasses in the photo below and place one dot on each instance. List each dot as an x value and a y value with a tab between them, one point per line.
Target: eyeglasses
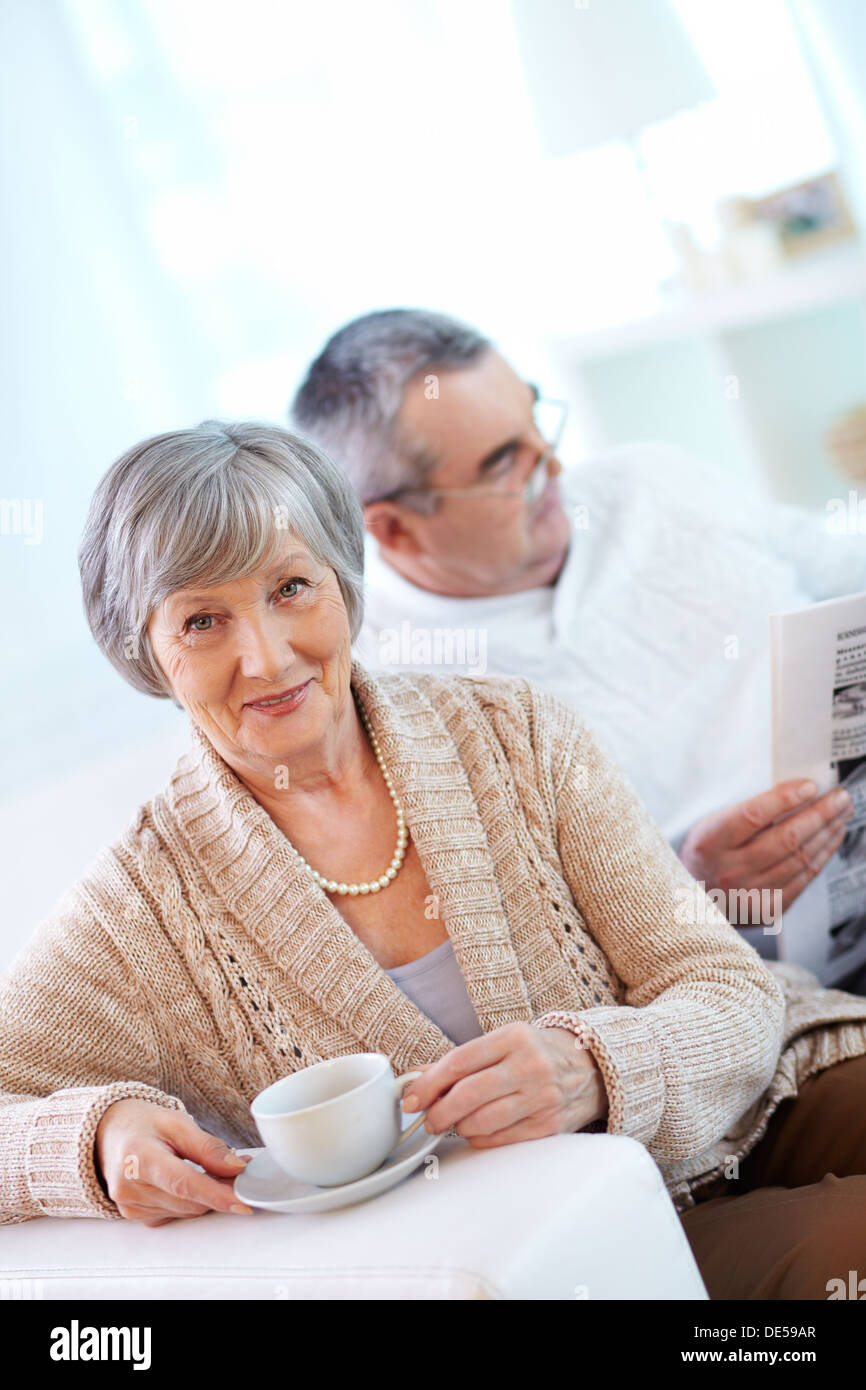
549	418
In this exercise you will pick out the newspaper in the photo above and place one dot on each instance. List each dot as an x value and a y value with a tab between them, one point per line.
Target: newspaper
818	664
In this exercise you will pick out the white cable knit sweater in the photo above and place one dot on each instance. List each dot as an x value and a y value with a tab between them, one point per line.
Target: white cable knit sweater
656	630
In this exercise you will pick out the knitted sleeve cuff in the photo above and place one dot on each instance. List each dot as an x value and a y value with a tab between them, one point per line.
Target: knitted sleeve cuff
628	1059
60	1161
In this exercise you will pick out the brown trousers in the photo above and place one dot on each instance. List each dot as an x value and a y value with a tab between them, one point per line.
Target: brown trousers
795	1218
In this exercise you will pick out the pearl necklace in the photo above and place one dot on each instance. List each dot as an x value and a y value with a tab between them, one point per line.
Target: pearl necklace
330	885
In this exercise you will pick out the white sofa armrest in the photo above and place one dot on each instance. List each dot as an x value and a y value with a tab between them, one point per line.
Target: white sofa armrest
569	1217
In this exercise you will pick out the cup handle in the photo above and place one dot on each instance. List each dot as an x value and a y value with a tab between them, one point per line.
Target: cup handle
401	1082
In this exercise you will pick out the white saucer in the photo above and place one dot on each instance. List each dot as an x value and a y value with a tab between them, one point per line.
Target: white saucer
264	1184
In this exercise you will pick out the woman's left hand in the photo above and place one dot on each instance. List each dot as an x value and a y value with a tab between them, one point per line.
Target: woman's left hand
518	1082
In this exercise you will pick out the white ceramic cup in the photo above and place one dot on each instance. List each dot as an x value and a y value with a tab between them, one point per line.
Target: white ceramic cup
335	1121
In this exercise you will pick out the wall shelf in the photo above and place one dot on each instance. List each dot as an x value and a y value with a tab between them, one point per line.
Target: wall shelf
796	287
749	376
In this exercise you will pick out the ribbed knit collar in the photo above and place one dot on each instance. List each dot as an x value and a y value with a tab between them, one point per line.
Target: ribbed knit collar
255	872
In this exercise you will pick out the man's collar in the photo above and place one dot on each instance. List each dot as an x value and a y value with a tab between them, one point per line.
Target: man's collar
413	599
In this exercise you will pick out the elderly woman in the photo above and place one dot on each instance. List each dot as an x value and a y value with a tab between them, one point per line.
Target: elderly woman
446	870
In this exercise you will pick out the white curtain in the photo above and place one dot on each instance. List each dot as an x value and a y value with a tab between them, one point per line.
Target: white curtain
96	353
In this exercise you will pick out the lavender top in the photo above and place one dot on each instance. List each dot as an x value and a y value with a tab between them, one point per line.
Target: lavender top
435	985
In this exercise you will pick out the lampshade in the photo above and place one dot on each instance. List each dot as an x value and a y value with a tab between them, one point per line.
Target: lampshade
603	70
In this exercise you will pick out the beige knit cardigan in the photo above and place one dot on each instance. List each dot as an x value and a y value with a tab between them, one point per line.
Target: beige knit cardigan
196	960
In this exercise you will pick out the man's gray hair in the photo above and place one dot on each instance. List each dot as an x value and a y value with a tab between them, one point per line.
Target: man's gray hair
351	397
206	506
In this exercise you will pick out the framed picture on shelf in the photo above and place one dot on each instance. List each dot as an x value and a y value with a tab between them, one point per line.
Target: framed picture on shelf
806	216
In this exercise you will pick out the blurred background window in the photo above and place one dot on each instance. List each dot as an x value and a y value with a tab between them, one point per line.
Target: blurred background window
291	165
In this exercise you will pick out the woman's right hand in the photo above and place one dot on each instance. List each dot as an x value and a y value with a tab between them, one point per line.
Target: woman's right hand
141	1150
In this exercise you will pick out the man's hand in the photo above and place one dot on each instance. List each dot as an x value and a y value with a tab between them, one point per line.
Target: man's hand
518	1082
748	846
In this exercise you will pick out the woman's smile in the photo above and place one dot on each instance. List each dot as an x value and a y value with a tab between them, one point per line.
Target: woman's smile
273	706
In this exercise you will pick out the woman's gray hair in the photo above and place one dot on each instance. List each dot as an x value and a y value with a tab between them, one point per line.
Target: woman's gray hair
206	506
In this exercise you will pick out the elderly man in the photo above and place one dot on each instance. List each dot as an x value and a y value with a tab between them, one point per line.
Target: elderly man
636	586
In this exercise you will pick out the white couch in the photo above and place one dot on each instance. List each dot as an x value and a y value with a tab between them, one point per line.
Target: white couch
577	1216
